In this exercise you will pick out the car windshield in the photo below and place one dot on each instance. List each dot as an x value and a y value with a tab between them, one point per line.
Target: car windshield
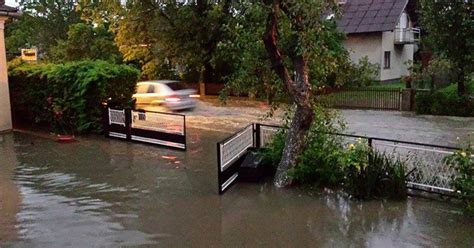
177	85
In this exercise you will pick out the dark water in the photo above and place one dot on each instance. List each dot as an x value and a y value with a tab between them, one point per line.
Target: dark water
107	193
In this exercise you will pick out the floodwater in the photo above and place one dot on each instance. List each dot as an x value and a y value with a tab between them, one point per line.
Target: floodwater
102	192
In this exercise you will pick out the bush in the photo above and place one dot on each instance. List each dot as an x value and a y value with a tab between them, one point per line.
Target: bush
371	174
321	161
463	163
362	74
68	96
436	75
445	101
325	162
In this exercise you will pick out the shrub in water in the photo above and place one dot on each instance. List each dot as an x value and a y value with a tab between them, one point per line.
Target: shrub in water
463	163
321	162
372	174
325	162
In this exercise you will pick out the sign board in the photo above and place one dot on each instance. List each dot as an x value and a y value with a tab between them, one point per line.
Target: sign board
29	54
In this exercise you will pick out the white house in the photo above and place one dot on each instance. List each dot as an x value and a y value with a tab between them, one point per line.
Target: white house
5	112
381	30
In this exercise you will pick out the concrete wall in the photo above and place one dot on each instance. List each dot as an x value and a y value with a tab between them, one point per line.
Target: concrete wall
373	45
5	112
368	44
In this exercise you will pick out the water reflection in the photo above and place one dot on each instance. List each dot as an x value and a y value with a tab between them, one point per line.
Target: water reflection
108	193
9	194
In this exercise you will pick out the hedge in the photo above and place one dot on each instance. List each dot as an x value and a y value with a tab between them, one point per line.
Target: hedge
445	101
68	97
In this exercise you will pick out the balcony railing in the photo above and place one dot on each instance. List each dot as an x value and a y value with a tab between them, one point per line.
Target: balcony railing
407	35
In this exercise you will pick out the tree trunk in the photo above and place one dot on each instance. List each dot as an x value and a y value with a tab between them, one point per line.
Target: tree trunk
298	88
294	144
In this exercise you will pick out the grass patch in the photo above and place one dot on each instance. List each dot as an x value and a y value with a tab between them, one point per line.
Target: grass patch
398	85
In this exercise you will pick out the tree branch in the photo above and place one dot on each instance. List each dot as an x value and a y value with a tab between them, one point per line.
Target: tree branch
270	40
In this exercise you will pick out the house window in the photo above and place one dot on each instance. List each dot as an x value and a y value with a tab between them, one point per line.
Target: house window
386	60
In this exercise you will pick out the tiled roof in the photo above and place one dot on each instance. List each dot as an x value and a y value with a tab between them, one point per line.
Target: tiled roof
363	16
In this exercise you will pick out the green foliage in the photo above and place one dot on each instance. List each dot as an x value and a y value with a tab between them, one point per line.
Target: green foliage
436	75
86	42
450	29
19	34
166	38
59	34
42	25
252	71
371	174
362	74
69	96
445	101
463	162
322	161
327	162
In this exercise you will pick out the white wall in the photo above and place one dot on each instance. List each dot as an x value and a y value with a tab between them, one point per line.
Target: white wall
5	112
373	45
400	54
361	45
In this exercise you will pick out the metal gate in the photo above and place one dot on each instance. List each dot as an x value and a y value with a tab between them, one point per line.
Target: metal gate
230	152
364	98
165	129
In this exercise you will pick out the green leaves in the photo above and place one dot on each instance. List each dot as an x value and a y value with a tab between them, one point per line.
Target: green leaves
450	29
463	162
69	96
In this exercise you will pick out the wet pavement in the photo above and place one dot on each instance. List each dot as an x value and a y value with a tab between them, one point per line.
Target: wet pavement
106	193
211	114
102	192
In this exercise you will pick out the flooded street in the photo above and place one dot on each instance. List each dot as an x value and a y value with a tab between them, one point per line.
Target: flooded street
405	126
102	192
108	193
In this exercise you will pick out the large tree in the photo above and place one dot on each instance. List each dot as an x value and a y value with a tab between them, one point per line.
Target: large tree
84	41
312	39
300	52
450	28
163	35
46	22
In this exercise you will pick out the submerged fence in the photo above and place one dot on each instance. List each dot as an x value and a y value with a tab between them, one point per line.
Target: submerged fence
364	98
425	163
166	129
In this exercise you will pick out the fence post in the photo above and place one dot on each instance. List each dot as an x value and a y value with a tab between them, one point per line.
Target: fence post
408	96
128	123
105	119
371	150
257	136
219	169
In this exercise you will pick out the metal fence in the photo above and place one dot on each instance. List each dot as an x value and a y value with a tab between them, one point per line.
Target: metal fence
364	98
424	163
166	129
229	152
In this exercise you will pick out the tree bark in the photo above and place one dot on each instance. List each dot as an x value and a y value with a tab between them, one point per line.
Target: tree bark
299	89
294	144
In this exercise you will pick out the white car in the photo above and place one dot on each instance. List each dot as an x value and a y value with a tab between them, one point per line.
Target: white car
172	95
